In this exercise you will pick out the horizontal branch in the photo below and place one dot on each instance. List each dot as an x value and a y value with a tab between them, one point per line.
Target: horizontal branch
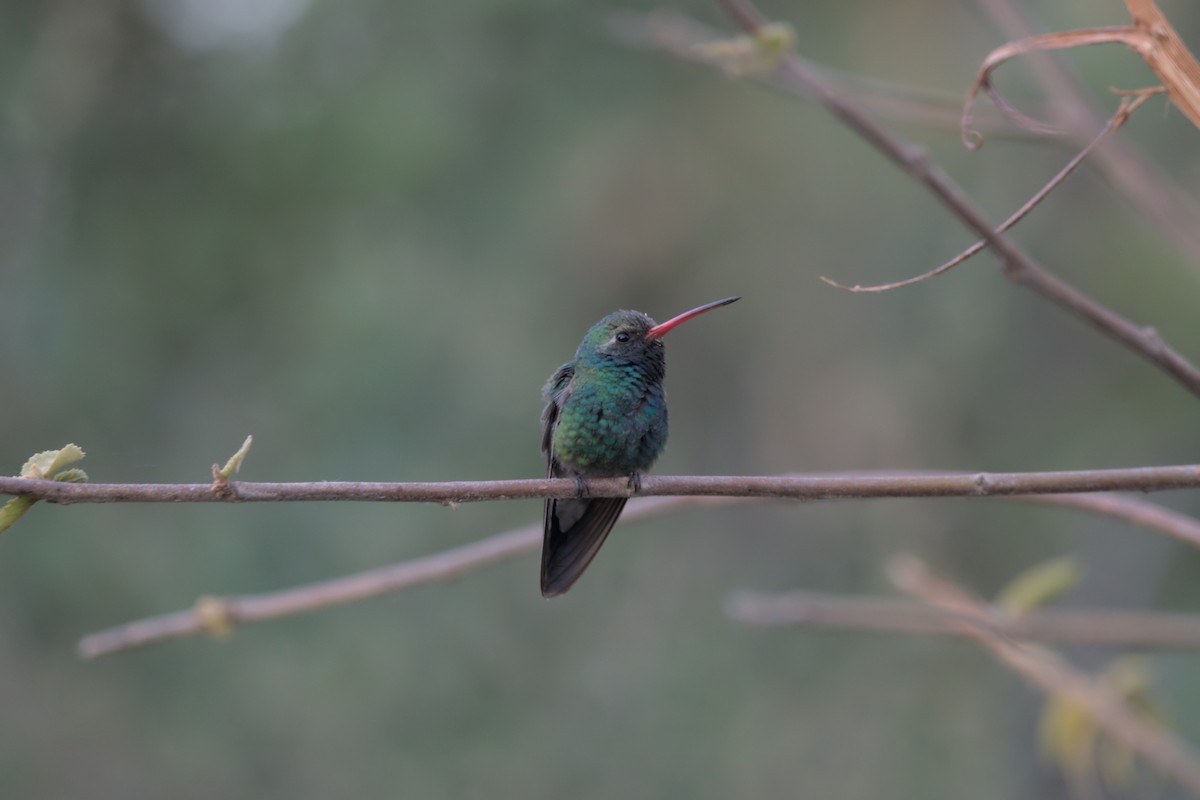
221	615
799	487
1124	629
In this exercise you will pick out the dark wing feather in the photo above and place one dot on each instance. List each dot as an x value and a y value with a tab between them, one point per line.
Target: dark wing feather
574	530
555	394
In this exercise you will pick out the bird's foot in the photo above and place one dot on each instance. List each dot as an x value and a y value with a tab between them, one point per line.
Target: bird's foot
635	482
581	486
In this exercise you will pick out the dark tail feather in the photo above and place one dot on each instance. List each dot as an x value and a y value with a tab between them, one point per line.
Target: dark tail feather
574	531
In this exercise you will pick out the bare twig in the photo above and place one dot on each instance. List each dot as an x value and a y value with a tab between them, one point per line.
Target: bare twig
443	566
801	487
1122	629
1129	104
235	611
795	73
1050	673
216	615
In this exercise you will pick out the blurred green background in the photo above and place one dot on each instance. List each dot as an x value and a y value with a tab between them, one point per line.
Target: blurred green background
366	232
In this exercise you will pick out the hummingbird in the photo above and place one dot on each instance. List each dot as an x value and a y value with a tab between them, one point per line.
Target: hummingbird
605	417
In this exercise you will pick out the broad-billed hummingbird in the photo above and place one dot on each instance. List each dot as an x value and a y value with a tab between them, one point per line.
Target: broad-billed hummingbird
605	417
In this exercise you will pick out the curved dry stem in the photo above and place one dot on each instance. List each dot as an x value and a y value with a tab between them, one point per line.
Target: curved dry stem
973	139
1151	36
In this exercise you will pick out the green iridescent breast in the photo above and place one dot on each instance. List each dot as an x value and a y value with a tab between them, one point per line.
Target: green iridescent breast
614	421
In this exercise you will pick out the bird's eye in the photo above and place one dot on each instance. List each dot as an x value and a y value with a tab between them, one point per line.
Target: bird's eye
622	337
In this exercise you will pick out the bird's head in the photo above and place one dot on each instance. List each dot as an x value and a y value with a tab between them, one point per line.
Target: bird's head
630	335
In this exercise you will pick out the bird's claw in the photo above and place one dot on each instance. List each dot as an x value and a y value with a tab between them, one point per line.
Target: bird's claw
635	482
581	486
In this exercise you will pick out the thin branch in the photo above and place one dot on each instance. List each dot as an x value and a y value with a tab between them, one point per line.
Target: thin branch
221	615
218	616
1116	122
801	487
1133	510
1123	629
1047	671
796	74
